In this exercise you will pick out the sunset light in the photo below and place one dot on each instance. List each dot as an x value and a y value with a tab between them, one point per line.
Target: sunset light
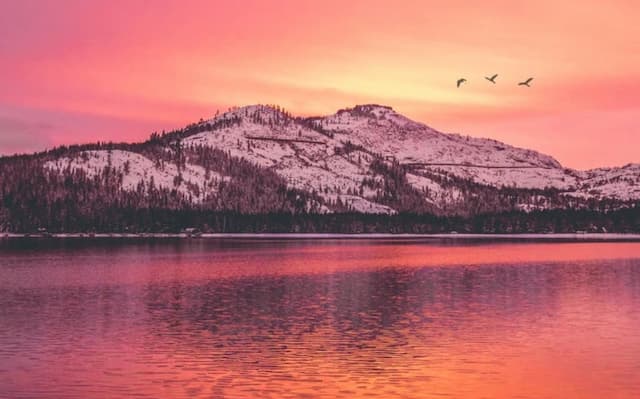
322	199
86	71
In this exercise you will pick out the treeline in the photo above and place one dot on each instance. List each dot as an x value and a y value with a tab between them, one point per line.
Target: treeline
159	220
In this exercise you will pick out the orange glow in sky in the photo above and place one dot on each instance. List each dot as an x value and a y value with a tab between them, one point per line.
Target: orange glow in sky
82	71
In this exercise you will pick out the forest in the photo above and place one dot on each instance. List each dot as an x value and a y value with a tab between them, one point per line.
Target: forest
255	199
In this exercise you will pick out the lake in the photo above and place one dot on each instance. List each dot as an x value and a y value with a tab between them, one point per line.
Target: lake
275	318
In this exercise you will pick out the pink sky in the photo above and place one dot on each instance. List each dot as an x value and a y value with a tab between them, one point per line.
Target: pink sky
81	71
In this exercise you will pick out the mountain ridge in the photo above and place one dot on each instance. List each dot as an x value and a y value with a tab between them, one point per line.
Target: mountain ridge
365	159
392	131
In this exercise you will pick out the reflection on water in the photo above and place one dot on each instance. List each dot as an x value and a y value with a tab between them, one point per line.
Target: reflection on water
309	319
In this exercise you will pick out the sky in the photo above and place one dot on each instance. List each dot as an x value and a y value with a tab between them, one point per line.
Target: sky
85	71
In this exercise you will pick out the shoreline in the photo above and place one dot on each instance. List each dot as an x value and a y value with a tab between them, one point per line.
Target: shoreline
329	236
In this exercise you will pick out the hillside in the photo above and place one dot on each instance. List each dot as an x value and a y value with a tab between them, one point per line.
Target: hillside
260	159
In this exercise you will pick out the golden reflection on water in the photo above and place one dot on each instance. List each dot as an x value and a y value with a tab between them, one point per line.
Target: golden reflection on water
331	319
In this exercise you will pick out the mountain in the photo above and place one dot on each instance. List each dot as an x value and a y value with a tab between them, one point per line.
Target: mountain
333	155
261	159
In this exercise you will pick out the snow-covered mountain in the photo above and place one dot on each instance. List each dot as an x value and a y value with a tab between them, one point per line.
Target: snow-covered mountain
345	161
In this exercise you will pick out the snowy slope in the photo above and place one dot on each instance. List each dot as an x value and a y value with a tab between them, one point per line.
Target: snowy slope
137	169
310	163
379	130
622	183
332	156
391	134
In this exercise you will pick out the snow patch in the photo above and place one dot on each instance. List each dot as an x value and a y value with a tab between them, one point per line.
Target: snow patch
137	169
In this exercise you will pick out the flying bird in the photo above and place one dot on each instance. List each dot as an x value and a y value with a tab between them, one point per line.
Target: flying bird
460	81
492	79
526	82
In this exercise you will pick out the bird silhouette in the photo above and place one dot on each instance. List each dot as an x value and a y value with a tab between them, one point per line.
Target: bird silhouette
492	79
460	81
526	82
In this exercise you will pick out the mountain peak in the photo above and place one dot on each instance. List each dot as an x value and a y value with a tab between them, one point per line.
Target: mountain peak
255	111
369	110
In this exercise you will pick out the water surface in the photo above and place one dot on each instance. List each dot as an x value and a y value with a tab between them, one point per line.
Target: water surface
319	319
